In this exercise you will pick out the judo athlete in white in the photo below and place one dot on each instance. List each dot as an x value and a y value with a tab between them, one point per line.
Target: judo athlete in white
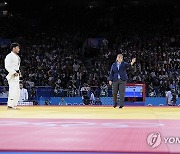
12	64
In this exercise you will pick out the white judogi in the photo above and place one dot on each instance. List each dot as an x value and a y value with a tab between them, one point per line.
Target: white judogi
12	64
23	95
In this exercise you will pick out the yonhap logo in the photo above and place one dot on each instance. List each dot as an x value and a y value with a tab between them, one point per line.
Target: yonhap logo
154	140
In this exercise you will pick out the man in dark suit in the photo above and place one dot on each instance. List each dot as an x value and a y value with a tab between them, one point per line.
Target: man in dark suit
118	78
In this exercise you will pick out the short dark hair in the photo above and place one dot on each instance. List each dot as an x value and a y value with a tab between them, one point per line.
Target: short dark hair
13	45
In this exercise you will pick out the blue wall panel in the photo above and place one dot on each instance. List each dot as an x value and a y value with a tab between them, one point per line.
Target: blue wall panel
154	101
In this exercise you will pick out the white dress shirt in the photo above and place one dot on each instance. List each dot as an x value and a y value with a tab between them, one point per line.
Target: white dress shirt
23	95
118	66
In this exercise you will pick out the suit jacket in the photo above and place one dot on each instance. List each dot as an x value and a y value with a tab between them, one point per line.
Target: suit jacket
113	76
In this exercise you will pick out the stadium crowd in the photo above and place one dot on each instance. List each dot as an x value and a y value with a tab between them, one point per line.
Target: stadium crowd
58	56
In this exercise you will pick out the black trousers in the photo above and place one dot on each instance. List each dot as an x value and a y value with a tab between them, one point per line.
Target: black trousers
120	86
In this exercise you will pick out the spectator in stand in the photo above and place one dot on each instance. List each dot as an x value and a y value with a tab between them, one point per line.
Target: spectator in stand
98	101
23	93
62	102
47	102
4	93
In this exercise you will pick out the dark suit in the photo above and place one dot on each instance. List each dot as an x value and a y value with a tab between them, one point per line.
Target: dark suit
119	78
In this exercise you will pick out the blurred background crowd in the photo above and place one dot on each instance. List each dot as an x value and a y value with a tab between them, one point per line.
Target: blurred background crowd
68	46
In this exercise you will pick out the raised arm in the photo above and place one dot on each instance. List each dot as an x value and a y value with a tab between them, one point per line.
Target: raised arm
133	61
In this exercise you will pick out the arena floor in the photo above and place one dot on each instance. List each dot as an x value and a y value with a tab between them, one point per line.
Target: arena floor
87	130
